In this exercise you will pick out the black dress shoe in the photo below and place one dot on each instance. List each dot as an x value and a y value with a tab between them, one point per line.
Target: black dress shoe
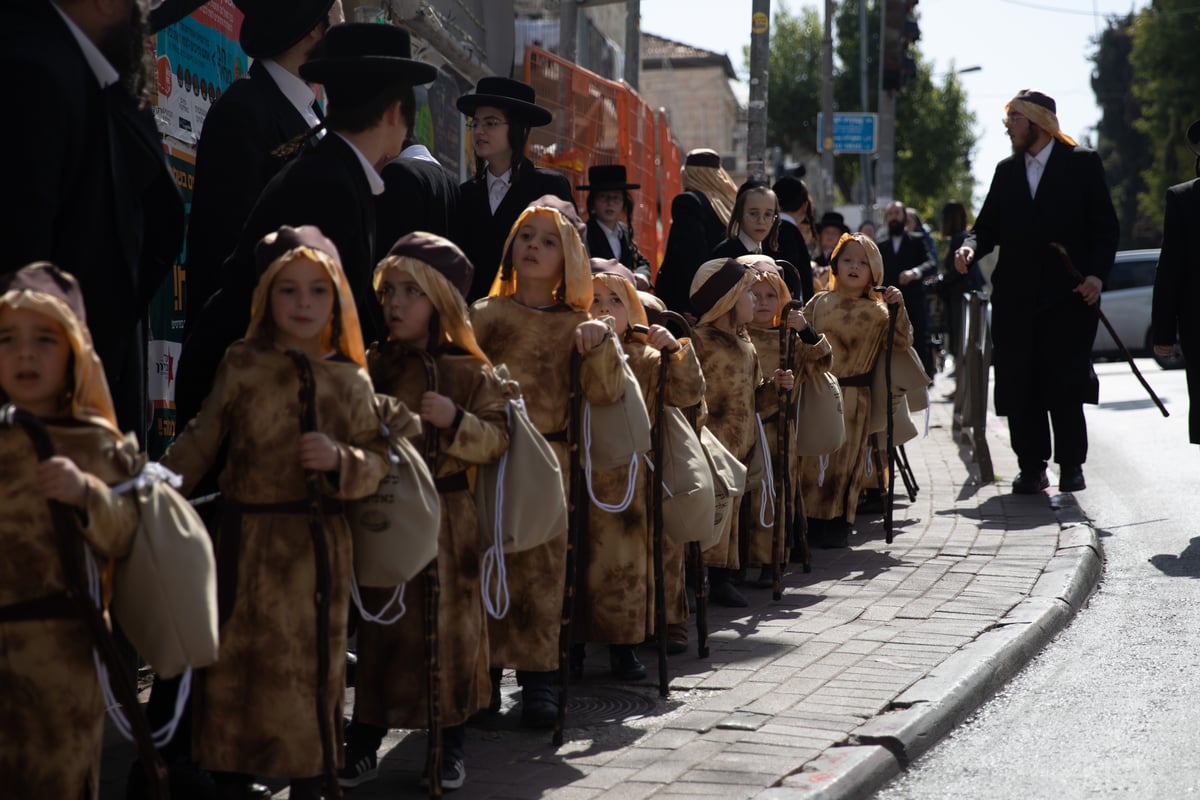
835	534
539	705
1070	479
723	593
625	664
1030	482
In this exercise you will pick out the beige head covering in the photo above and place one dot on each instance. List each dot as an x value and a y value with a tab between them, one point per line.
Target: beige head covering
873	258
717	286
1041	110
702	172
576	286
770	272
447	300
91	401
278	249
629	297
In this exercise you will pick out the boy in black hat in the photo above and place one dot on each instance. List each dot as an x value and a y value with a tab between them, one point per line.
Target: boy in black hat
607	236
502	112
830	228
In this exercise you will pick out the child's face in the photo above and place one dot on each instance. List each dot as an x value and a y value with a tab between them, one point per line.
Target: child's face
537	249
607	302
766	303
758	215
302	300
34	355
609	207
829	238
406	309
743	312
490	139
853	269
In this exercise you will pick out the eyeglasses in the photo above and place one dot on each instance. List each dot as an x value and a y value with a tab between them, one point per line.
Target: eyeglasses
762	216
1012	119
487	123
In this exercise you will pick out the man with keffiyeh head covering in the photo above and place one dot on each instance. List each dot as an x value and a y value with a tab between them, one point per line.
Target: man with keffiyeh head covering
1050	191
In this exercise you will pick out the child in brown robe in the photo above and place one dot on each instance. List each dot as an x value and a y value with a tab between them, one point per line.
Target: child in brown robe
50	698
253	711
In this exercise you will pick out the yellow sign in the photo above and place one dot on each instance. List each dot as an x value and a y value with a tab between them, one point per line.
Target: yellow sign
758	23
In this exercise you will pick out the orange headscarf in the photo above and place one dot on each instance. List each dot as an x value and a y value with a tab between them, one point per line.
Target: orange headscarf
577	269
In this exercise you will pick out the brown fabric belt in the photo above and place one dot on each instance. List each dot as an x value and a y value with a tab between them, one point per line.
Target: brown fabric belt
856	380
555	436
452	483
52	606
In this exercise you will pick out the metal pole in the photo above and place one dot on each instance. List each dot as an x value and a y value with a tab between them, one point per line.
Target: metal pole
633	43
885	184
760	48
827	107
568	29
864	160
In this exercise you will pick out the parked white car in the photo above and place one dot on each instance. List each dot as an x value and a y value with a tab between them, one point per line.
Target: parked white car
1126	303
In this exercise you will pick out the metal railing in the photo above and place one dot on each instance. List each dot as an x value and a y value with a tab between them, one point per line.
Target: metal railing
972	365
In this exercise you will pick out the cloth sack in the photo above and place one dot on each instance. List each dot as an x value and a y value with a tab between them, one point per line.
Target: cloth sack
689	499
395	529
729	483
619	433
903	428
820	427
909	377
165	590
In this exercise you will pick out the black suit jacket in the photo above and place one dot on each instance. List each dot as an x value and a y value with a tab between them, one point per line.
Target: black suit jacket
735	248
911	255
89	189
1175	284
598	247
326	188
1042	331
483	233
793	250
233	164
421	195
695	231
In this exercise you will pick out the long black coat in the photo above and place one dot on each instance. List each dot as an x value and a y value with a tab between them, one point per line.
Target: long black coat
482	234
911	255
695	231
793	250
1042	331
421	195
234	162
735	248
88	188
599	247
325	187
1175	283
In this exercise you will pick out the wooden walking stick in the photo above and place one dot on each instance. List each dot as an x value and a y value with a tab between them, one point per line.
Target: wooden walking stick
785	415
433	761
76	600
1075	274
577	512
316	529
888	507
656	500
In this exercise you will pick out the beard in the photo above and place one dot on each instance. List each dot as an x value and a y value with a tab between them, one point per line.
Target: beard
895	227
1022	143
124	45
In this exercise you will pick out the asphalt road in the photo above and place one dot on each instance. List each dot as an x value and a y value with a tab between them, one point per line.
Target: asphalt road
1108	709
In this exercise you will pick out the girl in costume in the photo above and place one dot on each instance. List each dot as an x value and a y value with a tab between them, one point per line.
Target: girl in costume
253	709
721	295
853	318
50	698
421	284
534	317
616	604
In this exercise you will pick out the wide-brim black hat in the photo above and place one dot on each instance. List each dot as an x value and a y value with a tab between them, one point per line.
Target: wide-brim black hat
608	178
358	51
513	96
832	218
1193	136
271	26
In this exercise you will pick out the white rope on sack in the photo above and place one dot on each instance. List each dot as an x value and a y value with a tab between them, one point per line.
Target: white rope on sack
768	483
494	578
623	504
161	737
397	598
822	466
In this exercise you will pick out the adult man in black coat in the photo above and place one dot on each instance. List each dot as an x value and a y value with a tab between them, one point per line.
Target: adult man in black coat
367	73
236	157
1176	280
696	230
505	170
906	264
794	208
420	194
1050	191
88	186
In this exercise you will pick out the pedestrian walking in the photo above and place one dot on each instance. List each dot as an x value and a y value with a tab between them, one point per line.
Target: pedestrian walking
907	264
1050	191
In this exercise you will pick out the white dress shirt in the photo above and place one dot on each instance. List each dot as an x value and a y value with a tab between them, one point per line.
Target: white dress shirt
297	92
498	186
750	244
369	170
614	241
1035	166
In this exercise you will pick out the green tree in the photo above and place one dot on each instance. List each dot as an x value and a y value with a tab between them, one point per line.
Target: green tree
794	81
1166	60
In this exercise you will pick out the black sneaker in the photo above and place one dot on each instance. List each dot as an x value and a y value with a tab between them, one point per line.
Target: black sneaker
360	768
454	774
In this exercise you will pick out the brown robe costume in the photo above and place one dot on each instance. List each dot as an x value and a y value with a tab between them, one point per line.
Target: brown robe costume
732	380
616	601
856	330
254	708
390	684
536	345
50	698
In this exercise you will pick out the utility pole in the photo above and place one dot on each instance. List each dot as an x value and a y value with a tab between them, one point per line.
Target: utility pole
568	27
633	43
864	160
827	108
885	185
756	115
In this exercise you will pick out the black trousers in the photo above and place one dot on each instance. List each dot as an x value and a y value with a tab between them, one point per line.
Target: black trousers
1029	431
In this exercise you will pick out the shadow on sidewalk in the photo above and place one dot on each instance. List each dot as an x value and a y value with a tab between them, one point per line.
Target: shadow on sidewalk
1008	512
1184	565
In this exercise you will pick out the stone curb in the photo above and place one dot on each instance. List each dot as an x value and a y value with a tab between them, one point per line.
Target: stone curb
883	747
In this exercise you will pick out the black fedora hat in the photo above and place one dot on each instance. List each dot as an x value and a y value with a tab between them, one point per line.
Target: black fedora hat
355	51
608	178
513	96
832	218
271	26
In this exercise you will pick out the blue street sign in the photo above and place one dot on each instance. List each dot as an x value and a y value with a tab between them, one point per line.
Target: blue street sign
852	132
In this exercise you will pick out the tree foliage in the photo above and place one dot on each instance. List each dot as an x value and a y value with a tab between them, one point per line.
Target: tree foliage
794	81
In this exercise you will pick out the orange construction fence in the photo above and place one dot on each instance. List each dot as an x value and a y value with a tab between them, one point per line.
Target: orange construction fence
599	121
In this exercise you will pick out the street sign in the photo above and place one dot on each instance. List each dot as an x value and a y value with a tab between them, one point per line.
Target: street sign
852	132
